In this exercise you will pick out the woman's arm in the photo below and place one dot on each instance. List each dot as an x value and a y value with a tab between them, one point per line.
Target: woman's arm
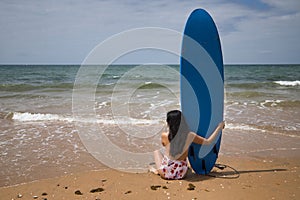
200	140
164	139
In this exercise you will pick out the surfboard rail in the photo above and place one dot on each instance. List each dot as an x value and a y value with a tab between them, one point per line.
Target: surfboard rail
202	86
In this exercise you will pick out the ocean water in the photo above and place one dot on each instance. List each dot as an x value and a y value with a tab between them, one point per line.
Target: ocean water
270	93
39	120
264	97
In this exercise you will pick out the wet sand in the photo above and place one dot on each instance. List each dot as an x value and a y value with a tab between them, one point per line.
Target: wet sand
268	166
276	179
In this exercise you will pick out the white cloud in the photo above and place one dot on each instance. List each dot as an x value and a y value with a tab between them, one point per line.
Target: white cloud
265	37
288	5
65	31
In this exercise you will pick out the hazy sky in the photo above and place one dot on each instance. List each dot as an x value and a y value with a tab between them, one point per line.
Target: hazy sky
64	32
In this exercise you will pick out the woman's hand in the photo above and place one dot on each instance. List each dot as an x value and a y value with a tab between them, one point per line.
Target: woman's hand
221	125
200	140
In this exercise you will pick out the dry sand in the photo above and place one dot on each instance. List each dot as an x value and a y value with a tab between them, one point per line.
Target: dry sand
259	179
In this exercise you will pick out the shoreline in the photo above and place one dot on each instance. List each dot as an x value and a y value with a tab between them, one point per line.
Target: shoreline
258	179
247	145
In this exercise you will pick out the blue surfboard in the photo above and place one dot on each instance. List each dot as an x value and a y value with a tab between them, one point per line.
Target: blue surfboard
202	86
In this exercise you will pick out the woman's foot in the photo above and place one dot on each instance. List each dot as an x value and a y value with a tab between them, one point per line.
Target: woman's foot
153	170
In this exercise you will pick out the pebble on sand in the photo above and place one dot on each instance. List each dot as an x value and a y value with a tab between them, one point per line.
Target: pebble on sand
155	187
77	192
97	190
191	187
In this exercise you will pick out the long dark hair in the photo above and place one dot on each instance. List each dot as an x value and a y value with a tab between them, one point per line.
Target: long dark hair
178	132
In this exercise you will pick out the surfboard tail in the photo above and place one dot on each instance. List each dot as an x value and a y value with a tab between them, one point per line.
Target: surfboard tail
205	164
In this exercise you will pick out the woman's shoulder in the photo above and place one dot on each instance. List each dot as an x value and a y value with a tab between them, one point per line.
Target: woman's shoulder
164	134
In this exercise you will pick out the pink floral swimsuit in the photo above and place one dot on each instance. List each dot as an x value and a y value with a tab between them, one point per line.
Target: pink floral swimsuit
173	169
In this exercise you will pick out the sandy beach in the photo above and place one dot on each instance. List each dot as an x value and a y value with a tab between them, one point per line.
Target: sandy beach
261	176
278	179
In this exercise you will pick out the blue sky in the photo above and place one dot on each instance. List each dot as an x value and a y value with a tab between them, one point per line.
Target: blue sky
64	32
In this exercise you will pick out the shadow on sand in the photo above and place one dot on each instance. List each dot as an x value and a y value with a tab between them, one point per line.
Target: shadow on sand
226	173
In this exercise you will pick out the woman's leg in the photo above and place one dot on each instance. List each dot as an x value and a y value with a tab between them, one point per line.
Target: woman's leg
158	158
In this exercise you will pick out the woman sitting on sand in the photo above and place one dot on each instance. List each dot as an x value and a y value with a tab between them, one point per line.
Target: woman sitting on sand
173	165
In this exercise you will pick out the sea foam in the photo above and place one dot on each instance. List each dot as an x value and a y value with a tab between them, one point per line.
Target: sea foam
30	117
39	117
288	83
